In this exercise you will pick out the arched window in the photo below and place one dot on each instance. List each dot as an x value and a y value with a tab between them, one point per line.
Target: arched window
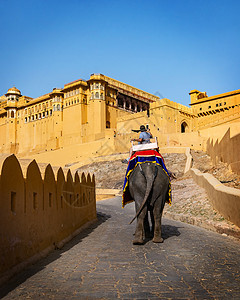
108	124
97	95
184	127
12	114
58	107
120	102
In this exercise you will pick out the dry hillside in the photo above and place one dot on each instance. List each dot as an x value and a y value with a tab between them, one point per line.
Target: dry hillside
110	174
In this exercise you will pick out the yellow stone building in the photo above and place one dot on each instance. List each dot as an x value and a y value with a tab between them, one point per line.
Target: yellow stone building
103	108
80	112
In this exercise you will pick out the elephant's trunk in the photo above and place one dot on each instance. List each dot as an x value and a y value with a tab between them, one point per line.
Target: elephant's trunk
150	181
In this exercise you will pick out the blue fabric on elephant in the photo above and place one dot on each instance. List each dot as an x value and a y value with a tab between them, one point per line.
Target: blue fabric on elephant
139	158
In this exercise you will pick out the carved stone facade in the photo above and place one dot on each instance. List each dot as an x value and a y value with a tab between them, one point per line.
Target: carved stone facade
79	112
131	104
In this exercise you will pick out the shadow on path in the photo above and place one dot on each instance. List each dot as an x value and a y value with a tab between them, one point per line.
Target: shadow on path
19	278
170	231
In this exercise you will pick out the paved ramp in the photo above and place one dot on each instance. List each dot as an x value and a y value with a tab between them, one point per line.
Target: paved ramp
101	262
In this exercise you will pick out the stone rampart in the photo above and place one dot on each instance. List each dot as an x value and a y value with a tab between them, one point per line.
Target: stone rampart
40	211
226	149
224	199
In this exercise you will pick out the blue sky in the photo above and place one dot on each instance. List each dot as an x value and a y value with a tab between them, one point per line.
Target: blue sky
164	47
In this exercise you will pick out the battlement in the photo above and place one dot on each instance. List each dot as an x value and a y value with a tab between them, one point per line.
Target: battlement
40	208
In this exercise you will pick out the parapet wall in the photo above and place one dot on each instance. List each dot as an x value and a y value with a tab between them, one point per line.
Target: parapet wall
224	199
39	211
227	148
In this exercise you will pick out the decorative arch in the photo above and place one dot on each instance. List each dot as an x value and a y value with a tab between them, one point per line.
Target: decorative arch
77	189
34	189
61	187
83	189
184	127
49	186
12	198
69	193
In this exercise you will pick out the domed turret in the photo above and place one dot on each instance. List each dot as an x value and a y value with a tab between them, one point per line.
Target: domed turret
13	91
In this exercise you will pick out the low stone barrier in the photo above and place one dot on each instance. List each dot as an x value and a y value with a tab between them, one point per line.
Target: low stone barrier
224	199
39	211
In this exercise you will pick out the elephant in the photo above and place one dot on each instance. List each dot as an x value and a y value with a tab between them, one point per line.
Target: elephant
149	187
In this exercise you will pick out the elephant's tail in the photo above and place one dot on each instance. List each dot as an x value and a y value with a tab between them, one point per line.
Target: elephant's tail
150	182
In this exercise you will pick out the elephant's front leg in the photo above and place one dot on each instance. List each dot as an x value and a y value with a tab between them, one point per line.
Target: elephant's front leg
139	233
157	238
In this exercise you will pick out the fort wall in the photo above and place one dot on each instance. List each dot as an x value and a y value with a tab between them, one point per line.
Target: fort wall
226	148
224	199
40	209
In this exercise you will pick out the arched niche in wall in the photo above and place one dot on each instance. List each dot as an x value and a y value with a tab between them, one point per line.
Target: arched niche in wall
93	180
13	217
77	189
34	206
69	193
83	189
61	187
12	198
34	189
49	189
184	127
89	189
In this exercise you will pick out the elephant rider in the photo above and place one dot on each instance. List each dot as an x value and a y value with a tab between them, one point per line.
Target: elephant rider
144	138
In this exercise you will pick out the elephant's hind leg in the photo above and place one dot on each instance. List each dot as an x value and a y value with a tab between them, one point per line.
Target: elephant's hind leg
139	233
157	238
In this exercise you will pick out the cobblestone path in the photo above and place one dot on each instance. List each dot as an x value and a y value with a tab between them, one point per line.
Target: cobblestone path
101	262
